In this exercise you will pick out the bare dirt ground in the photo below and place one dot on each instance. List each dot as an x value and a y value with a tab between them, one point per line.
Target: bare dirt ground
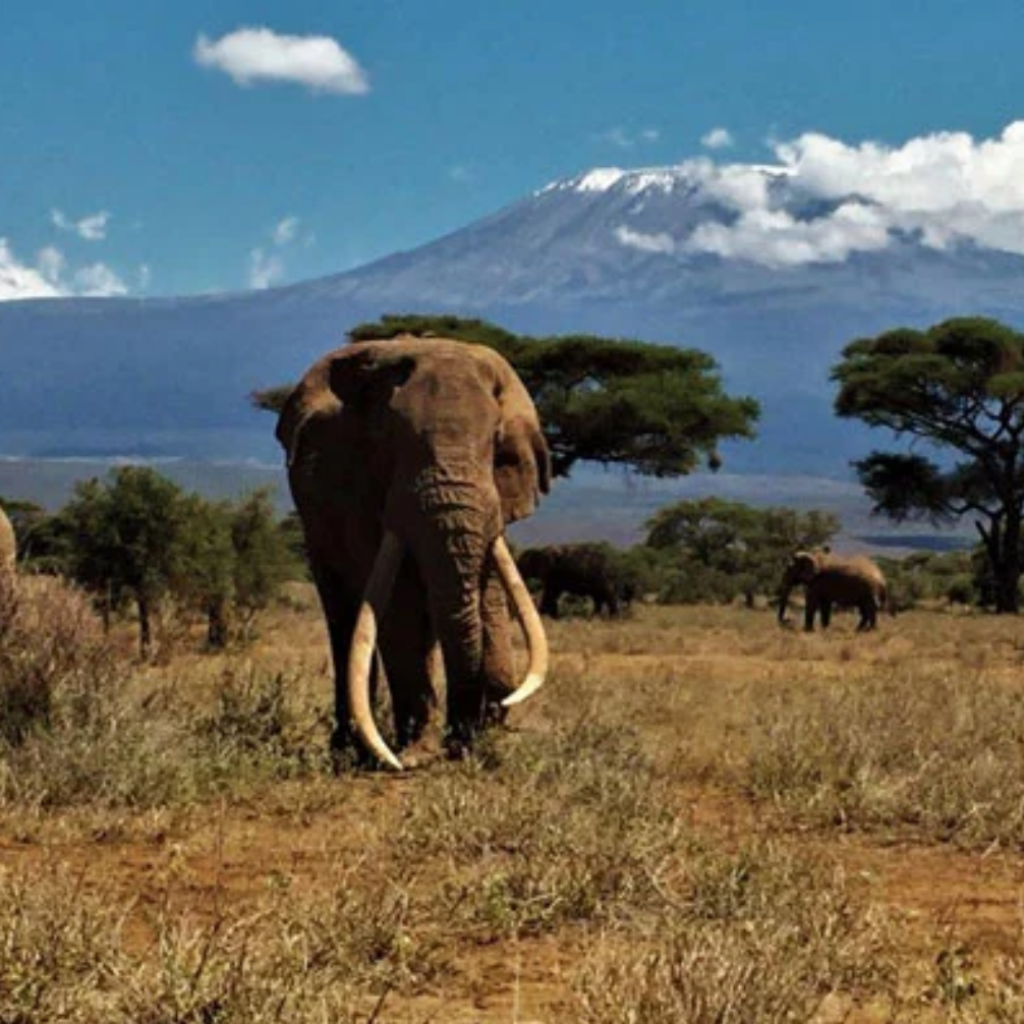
222	860
218	860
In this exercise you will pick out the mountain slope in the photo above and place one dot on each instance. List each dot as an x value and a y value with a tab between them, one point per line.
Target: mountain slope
608	252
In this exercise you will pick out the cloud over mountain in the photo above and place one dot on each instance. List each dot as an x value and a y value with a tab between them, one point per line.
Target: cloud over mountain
20	281
823	199
254	55
50	278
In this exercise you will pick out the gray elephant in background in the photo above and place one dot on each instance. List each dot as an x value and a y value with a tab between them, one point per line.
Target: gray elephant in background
584	570
8	544
830	580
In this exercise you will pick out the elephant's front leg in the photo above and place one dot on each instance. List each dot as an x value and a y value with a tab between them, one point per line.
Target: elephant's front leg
811	604
867	616
549	600
341	610
825	610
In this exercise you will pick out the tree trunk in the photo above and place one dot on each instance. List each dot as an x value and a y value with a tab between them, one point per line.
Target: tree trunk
145	632
1002	545
216	625
1008	571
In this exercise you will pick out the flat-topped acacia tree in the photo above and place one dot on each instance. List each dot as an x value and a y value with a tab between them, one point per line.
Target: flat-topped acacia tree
959	387
655	409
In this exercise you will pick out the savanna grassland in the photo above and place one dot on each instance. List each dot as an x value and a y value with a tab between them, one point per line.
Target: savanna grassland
702	817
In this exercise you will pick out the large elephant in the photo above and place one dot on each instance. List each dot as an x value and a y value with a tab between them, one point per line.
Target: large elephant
406	459
8	544
830	580
584	570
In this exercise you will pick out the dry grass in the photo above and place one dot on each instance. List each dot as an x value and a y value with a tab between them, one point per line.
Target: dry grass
241	881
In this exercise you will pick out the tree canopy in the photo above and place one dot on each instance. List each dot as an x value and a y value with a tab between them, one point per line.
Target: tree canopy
137	538
657	409
716	540
959	386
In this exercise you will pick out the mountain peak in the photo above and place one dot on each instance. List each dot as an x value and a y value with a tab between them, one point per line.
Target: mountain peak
686	176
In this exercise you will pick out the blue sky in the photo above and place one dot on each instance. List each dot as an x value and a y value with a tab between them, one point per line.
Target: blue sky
152	149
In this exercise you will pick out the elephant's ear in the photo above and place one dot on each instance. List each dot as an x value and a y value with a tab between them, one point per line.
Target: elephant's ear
306	400
522	462
364	376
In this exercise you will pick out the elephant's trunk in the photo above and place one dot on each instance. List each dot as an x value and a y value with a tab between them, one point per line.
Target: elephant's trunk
453	517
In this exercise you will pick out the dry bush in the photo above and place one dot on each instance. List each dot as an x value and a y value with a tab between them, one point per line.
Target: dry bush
938	751
53	657
999	1001
567	826
56	947
761	935
331	956
261	726
81	726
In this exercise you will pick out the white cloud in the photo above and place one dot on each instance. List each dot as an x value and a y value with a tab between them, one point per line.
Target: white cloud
622	138
98	281
51	263
824	199
253	55
659	242
19	281
461	174
265	269
286	230
267	266
717	138
777	239
50	278
92	228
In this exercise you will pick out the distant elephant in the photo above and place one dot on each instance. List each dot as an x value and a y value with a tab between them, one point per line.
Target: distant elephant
8	544
584	570
406	459
830	580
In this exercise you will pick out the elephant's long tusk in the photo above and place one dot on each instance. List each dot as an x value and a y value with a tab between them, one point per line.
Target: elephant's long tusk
533	628
364	643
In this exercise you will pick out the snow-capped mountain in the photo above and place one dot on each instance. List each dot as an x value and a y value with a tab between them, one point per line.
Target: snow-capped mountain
759	265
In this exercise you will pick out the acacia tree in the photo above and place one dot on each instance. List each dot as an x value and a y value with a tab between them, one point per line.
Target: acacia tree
958	386
124	540
263	557
139	538
206	565
657	409
746	547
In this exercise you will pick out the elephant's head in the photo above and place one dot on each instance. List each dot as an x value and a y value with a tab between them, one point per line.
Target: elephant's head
451	451
802	568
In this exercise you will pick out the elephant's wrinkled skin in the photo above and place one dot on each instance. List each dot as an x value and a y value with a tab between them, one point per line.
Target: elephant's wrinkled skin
830	580
584	570
415	452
